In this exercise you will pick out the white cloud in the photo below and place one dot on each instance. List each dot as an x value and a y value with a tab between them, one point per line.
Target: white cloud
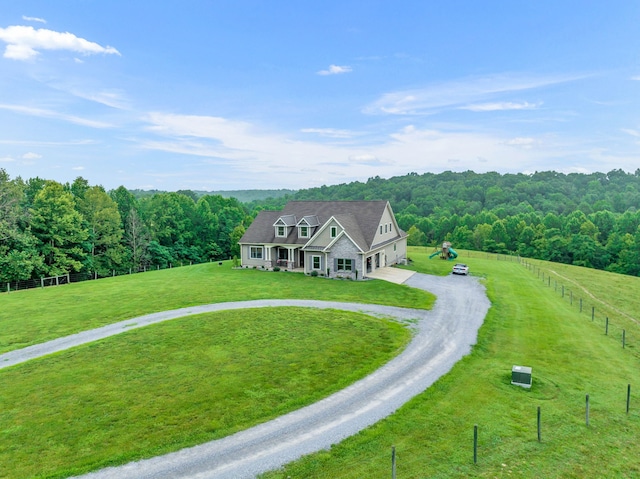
636	78
78	168
520	142
367	159
6	159
244	151
500	106
24	42
33	19
226	152
47	143
31	156
329	132
335	70
631	132
456	94
111	98
42	113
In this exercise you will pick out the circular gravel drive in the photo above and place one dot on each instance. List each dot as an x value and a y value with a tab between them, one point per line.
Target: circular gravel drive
443	336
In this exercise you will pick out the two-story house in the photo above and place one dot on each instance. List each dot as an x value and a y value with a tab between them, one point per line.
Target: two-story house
334	238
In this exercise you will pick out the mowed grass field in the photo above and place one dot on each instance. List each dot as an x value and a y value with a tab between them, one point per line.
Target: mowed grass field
529	324
38	315
183	382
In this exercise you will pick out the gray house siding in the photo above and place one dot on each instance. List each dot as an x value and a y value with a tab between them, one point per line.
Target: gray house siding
344	249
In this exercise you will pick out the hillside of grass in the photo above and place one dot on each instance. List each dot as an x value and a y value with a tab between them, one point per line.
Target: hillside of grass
530	323
38	315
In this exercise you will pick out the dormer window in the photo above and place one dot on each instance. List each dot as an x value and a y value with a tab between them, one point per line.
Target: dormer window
334	231
303	231
281	231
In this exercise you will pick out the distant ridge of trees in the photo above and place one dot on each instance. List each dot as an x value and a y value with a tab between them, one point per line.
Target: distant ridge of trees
244	196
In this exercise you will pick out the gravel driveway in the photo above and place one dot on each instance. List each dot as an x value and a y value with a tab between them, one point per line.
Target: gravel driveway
443	336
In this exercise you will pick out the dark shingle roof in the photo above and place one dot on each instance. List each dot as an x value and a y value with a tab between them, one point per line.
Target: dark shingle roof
359	218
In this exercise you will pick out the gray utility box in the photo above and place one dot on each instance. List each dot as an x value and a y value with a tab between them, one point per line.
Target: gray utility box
521	376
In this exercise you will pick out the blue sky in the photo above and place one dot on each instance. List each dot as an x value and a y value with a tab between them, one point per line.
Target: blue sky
220	95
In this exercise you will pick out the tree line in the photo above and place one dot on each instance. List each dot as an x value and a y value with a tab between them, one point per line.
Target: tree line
50	229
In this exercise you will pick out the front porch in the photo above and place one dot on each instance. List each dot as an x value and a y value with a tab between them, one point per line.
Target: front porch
289	258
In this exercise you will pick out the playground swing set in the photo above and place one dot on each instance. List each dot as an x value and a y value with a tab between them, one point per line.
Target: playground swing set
446	252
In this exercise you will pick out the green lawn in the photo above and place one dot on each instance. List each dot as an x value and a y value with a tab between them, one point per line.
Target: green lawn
530	324
180	383
34	316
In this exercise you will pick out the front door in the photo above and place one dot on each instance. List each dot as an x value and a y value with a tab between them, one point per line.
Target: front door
283	257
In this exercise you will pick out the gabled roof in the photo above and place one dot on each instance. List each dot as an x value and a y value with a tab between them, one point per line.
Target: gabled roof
353	230
360	220
286	220
309	220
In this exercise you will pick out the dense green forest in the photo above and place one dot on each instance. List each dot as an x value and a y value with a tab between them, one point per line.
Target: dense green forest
47	228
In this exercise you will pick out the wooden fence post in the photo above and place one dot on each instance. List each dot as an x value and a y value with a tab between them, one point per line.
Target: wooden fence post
539	424
587	410
393	462
475	444
628	396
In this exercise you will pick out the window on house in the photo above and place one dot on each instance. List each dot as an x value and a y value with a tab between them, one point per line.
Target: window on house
304	232
315	262
281	231
385	228
256	252
334	231
345	264
380	229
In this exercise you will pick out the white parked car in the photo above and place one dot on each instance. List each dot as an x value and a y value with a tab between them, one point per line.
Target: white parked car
460	268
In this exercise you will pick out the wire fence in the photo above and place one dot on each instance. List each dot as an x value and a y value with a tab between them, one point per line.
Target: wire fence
85	276
613	323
